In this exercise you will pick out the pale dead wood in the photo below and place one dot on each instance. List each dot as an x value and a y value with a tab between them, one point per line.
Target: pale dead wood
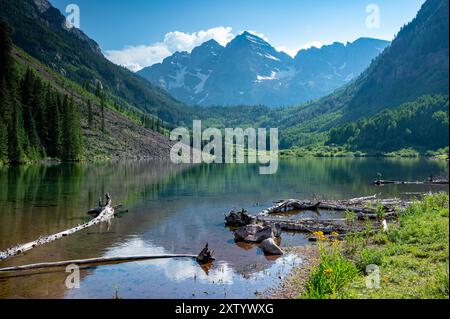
205	256
364	208
92	261
106	213
288	205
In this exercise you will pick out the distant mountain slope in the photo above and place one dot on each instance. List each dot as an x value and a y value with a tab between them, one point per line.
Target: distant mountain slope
122	138
183	74
416	64
39	29
249	71
321	71
422	124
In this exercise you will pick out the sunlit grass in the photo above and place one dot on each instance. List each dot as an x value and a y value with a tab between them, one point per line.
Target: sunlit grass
413	258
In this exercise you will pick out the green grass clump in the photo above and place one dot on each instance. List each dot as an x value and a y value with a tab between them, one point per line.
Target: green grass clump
332	274
413	258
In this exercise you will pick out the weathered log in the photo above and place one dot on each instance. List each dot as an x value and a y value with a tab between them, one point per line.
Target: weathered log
363	207
364	216
289	205
92	261
205	256
106	214
309	226
380	182
337	206
361	199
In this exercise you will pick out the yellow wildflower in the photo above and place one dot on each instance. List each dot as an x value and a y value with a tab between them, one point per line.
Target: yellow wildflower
320	236
334	242
318	233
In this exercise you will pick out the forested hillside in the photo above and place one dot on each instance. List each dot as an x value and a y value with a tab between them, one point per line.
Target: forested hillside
39	29
36	121
422	124
108	131
415	64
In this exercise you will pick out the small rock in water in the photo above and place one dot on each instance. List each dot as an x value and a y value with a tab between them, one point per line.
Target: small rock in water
271	248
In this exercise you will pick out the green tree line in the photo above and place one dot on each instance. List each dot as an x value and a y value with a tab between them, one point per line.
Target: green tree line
422	124
36	121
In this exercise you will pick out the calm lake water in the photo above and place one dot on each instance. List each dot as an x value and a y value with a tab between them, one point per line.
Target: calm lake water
172	209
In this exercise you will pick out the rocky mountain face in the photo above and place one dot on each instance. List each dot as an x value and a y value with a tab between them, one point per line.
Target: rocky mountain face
40	30
414	65
250	71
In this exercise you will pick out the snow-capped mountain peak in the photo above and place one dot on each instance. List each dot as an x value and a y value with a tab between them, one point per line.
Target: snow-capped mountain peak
248	70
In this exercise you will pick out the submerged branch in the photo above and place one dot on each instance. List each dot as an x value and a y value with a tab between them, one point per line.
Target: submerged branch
105	213
205	257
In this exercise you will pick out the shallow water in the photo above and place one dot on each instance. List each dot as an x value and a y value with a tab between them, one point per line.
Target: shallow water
172	209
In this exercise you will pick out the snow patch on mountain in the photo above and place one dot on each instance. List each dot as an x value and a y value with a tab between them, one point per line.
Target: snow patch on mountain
248	70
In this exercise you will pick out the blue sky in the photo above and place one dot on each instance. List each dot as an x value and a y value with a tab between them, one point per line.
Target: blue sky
138	33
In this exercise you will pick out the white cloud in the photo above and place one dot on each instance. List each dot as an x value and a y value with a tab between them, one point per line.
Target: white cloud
138	57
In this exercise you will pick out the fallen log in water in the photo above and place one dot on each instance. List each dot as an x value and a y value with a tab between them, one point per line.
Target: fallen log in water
260	228
368	207
205	256
361	199
364	207
289	205
380	182
92	261
311	226
106	213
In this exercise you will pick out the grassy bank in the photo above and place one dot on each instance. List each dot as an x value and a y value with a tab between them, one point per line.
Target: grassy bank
344	151
413	259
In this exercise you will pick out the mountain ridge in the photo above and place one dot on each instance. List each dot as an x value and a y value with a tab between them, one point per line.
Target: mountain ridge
39	29
415	64
249	71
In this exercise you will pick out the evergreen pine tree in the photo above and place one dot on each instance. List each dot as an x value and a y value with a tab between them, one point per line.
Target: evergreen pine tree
27	99
5	118
102	110
54	146
6	60
40	113
90	115
3	142
72	147
98	89
17	137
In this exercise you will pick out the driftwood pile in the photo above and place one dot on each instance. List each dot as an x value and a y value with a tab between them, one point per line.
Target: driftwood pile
249	230
363	207
266	226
